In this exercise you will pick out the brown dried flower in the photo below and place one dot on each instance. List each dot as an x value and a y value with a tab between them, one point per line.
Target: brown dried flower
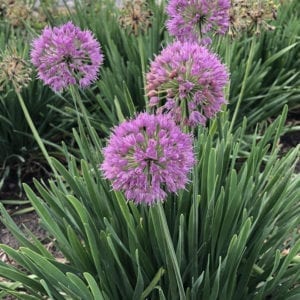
251	16
135	16
14	69
17	13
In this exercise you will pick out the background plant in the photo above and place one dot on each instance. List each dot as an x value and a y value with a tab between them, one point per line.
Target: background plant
20	155
272	59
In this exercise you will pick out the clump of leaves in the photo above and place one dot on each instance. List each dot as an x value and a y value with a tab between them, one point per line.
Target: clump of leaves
221	238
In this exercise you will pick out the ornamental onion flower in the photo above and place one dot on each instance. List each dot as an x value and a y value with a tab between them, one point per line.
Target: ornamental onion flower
66	55
147	157
187	81
192	20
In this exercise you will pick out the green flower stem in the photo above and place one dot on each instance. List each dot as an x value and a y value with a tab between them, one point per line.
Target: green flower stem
34	131
220	125
184	114
77	101
170	249
228	55
142	56
241	95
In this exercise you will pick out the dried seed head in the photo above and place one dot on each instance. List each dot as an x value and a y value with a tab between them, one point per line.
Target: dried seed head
251	16
15	12
14	69
135	16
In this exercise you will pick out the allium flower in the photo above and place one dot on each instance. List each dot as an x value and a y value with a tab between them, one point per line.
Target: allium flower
147	157
193	19
66	55
187	81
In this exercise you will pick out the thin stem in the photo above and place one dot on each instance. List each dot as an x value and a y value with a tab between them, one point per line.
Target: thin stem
195	228
77	100
34	131
142	56
228	55
75	95
241	95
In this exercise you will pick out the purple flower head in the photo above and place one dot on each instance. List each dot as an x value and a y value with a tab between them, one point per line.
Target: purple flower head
193	19
66	55
187	81
147	157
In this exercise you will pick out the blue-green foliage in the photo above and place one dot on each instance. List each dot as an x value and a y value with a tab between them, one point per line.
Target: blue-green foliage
221	238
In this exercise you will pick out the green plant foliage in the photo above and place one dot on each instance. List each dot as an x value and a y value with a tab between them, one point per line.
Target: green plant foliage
20	155
221	238
18	148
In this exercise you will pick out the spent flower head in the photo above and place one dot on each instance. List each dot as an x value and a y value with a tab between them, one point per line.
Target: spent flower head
187	81
251	16
135	16
66	55
14	69
196	20
147	157
18	12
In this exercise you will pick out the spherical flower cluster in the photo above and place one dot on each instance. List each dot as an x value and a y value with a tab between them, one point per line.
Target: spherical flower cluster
187	81
66	55
147	157
192	20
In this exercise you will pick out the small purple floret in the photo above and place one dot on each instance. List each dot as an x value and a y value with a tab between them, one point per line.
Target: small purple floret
66	55
147	157
187	81
192	20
